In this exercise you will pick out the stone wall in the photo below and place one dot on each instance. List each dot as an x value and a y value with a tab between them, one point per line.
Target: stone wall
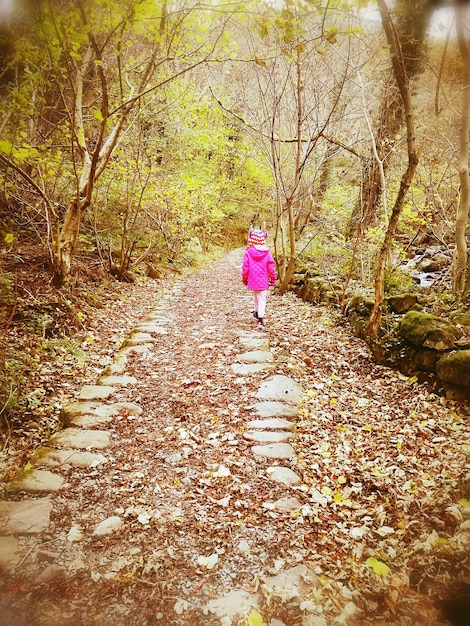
417	343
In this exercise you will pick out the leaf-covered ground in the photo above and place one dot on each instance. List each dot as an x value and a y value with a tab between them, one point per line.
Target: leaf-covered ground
384	521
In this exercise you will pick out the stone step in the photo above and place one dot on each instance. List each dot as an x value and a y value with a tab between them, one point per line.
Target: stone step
283	475
28	517
50	457
281	388
271	423
10	553
155	328
95	392
81	439
83	413
244	369
254	343
275	409
37	481
256	356
274	451
268	436
117	381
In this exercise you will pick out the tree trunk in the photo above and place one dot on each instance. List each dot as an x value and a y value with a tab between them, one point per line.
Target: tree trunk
411	26
66	243
404	87
460	270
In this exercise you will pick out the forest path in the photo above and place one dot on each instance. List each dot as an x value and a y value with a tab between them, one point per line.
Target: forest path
217	473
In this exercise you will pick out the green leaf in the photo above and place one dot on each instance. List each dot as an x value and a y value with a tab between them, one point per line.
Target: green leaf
98	115
255	619
379	567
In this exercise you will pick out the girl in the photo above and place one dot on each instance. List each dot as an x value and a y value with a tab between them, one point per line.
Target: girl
258	272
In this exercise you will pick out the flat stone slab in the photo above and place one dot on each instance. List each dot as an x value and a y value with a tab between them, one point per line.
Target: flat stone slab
37	481
28	517
50	457
116	368
271	423
275	409
281	388
237	603
80	438
96	392
10	553
287	505
283	475
85	421
126	350
268	436
254	343
94	413
154	328
117	381
245	369
275	451
137	339
256	356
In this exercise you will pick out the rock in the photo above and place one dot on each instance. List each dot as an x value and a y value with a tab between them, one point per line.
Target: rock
287	505
95	413
357	310
109	525
117	381
275	409
283	475
264	436
80	438
124	351
69	411
28	517
428	331
454	368
256	356
402	303
244	369
274	451
10	553
254	343
96	392
50	457
154	328
37	481
273	423
281	388
237	603
138	339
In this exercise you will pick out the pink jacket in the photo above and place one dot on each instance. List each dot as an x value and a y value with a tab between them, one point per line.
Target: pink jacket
258	269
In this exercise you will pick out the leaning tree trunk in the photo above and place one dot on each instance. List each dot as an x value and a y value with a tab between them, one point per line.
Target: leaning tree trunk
461	273
411	26
402	79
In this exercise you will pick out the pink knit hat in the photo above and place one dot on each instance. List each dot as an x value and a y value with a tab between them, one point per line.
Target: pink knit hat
257	238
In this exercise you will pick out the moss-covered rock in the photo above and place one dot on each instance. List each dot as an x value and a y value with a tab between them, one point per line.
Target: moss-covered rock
428	331
455	368
403	302
358	309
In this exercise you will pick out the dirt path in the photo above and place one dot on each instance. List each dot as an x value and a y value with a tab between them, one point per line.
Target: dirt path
182	523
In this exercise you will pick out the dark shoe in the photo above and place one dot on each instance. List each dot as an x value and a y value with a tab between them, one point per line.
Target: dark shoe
255	314
260	323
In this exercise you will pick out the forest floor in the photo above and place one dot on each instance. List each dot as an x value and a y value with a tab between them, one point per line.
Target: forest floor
383	522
